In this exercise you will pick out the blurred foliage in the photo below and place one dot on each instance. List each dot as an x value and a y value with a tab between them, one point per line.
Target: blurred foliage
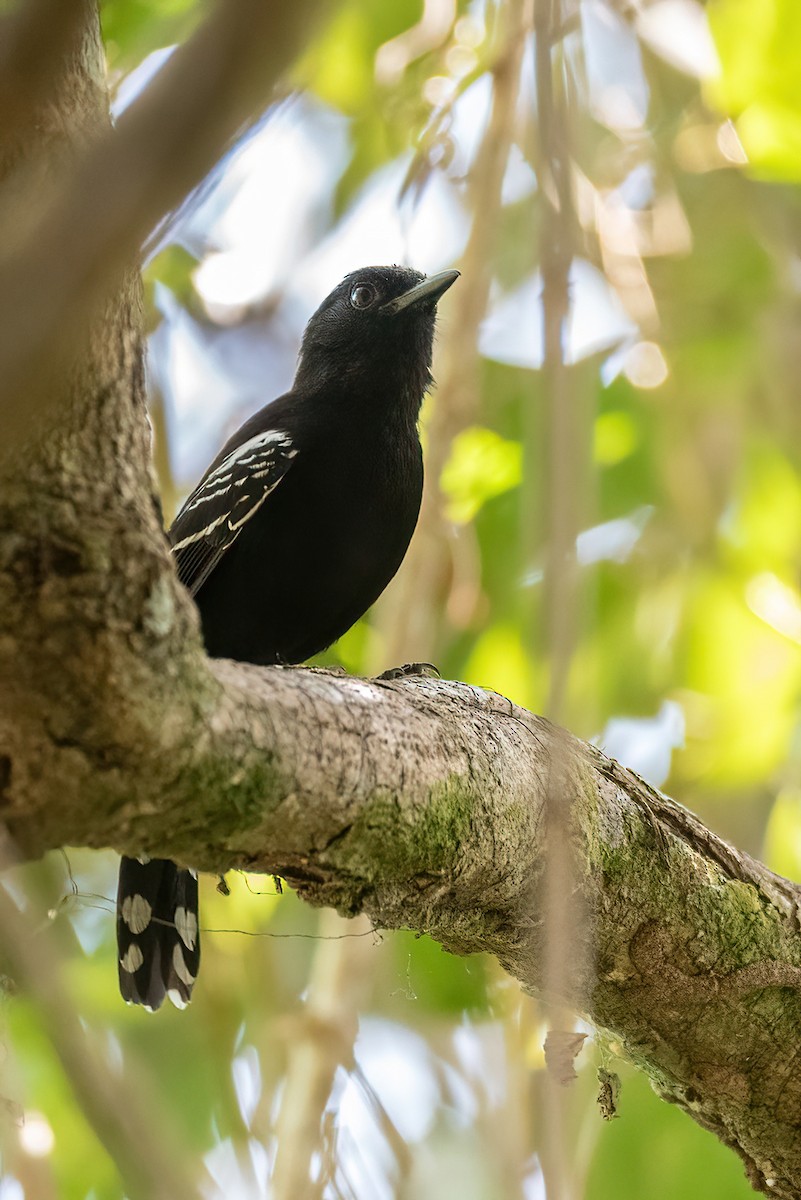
481	465
173	267
651	1141
689	585
132	29
758	46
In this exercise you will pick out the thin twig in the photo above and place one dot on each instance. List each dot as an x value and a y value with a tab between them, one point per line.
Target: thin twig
557	247
148	1164
339	983
413	611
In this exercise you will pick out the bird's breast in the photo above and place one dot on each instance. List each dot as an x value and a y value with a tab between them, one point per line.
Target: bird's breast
361	500
322	549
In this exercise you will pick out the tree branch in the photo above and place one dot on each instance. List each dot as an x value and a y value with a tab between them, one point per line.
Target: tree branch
420	803
111	197
37	41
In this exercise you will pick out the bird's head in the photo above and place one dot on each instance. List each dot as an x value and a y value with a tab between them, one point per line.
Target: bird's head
377	325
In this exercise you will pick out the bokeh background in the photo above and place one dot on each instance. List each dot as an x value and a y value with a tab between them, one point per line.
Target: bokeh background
669	630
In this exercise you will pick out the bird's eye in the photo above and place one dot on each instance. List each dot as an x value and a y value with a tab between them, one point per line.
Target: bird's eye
362	295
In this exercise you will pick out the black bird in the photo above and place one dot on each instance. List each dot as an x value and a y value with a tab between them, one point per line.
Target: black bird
293	532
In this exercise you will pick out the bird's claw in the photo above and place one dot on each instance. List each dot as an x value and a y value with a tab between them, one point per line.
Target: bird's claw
427	670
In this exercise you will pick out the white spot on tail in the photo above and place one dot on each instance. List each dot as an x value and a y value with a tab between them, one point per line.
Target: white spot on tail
186	924
136	913
132	959
176	998
180	967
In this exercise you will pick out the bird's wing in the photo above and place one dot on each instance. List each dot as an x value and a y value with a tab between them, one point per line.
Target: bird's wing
224	501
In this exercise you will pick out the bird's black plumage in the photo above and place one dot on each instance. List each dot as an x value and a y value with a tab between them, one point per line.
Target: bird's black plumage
298	526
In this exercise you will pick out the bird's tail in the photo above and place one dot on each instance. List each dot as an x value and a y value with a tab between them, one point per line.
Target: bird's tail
158	940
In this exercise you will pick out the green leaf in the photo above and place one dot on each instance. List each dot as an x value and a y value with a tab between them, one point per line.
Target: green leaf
481	465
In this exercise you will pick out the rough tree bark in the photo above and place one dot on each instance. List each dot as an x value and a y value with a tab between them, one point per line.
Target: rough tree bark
418	802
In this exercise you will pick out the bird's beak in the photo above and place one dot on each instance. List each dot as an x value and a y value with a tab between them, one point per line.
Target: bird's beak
427	291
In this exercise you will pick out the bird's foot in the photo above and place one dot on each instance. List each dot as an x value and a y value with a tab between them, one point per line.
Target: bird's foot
428	670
